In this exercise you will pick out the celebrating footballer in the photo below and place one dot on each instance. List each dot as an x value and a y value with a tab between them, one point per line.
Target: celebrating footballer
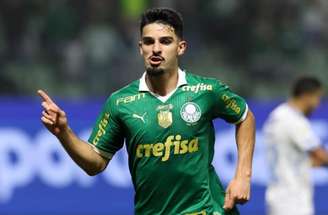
165	119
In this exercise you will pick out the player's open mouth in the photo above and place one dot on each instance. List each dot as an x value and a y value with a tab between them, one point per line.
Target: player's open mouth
155	60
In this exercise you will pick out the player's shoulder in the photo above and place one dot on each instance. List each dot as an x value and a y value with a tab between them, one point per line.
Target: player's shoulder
195	79
130	89
280	112
208	84
284	114
284	110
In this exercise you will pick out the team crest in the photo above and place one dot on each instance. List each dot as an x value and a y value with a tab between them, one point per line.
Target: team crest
165	118
164	115
190	112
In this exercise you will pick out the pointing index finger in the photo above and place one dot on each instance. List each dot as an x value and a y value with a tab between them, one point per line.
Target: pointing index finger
44	96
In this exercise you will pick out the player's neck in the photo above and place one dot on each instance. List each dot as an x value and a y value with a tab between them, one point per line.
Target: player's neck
297	104
163	84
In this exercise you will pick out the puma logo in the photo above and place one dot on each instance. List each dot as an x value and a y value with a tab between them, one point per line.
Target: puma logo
140	117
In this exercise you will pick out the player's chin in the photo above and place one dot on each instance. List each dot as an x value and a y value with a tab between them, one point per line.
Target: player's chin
154	70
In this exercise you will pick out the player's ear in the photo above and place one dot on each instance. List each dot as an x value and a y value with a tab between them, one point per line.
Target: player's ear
182	47
140	47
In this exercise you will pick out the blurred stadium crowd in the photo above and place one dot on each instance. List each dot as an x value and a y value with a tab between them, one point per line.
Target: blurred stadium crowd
89	47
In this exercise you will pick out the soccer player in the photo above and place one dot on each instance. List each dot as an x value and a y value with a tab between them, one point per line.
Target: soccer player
165	120
292	146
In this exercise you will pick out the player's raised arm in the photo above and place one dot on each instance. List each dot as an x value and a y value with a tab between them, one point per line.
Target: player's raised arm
55	120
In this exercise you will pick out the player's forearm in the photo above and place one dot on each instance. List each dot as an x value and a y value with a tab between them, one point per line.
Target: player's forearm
324	158
245	138
319	157
82	153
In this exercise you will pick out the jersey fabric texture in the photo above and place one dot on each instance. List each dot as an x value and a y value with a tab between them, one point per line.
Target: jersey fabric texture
289	138
170	142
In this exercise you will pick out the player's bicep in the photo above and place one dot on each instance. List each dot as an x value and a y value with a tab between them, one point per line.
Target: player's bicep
107	137
101	159
228	105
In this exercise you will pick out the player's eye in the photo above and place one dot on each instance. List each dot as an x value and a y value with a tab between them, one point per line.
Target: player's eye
166	40
148	41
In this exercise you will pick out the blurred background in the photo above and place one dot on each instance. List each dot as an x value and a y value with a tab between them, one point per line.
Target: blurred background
85	48
81	51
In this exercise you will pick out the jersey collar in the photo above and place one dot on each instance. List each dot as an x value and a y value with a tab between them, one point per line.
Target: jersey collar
181	80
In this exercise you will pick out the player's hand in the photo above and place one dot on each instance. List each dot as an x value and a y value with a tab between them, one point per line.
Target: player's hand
53	117
238	192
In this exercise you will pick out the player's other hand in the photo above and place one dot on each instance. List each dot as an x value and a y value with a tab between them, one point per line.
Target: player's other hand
53	117
238	192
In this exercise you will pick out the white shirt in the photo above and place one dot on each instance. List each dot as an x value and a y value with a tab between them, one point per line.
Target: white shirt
289	138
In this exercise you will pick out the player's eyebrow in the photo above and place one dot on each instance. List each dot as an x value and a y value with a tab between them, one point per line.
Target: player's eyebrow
148	39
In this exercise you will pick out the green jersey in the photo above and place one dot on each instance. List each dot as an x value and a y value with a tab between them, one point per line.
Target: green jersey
170	143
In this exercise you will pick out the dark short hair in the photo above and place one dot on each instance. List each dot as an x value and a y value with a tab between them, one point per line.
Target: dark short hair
165	16
304	85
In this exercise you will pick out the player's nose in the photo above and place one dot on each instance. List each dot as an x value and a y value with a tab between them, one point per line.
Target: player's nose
157	48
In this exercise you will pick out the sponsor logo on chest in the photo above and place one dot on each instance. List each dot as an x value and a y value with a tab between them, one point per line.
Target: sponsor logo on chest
130	99
174	144
198	87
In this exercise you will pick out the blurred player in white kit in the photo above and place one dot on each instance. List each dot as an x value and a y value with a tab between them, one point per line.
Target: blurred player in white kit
292	148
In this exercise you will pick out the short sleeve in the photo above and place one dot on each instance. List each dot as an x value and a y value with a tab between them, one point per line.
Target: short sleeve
107	136
303	136
228	105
